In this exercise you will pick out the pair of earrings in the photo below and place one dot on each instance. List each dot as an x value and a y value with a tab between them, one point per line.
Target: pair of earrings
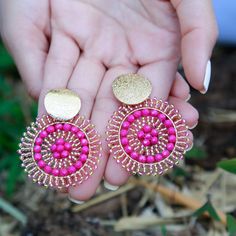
145	135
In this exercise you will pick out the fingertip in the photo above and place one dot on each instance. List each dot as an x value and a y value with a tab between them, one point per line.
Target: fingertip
115	174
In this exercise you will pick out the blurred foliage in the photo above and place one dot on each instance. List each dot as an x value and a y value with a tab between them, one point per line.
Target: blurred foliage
14	116
228	165
6	61
197	153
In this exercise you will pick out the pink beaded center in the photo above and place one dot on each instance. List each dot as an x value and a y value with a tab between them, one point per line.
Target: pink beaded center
148	136
61	149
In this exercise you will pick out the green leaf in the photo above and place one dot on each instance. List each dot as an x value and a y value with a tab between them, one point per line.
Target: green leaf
207	207
231	225
163	230
196	153
228	165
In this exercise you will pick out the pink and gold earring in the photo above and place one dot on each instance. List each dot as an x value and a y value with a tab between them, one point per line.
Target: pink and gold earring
145	135
60	149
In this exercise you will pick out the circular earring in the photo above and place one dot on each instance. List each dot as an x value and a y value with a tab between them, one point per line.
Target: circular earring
60	149
145	135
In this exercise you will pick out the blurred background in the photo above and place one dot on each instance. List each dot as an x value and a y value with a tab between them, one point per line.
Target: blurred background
196	198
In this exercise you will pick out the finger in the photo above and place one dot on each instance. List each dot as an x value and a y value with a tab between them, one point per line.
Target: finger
188	112
85	81
61	60
180	88
104	107
29	56
199	32
161	75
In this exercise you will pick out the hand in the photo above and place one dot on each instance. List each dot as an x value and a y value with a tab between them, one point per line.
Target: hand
84	46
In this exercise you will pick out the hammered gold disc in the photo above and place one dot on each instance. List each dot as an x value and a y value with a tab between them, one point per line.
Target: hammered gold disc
131	89
62	104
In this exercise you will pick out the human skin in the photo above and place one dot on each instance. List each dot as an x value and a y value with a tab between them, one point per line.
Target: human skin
85	45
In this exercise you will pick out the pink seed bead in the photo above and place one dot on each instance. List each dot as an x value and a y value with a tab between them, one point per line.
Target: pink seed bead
66	127
37	148
83	158
71	169
123	133
162	117
154	140
124	141
154	132
145	112
146	142
137	114
63	172
125	125
37	156
85	150
171	130
43	134
68	146
172	139
38	141
148	136
48	169
131	118
134	155
158	157
168	123
147	128
56	155
58	126
50	129
55	172
128	149
150	159
60	141
154	113
74	129
141	134
41	164
165	153
84	142
78	165
65	154
60	148
170	146
80	135
53	148
142	159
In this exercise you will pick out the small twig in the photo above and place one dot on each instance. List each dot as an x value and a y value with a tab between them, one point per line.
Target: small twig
103	198
13	211
140	223
177	197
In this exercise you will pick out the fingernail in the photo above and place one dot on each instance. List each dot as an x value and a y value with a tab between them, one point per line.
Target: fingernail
110	186
194	126
187	99
207	78
75	201
190	147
